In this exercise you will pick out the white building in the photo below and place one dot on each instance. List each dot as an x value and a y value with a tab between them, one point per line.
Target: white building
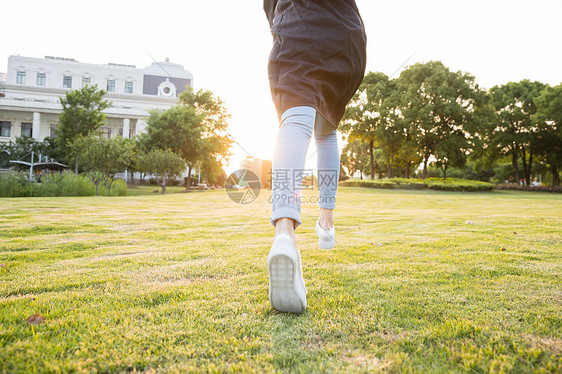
30	91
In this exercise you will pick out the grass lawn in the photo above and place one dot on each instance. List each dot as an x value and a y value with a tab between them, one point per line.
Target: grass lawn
137	190
178	283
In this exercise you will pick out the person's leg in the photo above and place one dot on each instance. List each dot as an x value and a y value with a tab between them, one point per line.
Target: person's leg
287	291
291	145
328	165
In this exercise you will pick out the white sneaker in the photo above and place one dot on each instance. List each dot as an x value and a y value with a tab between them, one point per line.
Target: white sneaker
287	292
326	237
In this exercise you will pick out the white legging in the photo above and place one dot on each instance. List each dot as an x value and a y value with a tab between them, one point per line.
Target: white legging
291	145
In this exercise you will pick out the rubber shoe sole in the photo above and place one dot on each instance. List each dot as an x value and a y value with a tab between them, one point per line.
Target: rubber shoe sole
286	286
326	238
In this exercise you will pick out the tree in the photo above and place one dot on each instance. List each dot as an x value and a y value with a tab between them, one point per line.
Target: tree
355	157
372	117
513	132
195	130
451	152
102	158
438	109
164	163
178	129
548	120
82	115
215	142
408	152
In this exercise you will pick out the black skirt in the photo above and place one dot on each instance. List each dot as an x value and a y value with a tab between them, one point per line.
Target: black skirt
319	54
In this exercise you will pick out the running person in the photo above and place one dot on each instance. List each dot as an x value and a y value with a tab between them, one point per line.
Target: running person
316	64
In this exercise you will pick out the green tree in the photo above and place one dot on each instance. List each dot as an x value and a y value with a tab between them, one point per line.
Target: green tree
438	110
196	130
513	132
214	172
178	129
102	158
215	143
452	152
355	157
164	163
82	115
372	117
548	120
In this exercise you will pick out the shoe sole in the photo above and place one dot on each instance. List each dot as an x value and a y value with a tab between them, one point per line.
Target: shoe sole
283	293
326	244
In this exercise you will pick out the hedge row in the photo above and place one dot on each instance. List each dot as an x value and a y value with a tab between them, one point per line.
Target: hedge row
529	188
68	184
449	184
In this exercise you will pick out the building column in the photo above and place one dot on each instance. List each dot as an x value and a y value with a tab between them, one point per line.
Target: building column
126	126
36	125
141	126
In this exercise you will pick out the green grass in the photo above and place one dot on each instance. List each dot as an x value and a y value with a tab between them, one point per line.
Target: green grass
137	190
178	283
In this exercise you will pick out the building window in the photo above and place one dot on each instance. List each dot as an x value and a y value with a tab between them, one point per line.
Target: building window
128	87
110	85
106	131
67	81
20	77
27	129
5	128
86	81
53	131
41	79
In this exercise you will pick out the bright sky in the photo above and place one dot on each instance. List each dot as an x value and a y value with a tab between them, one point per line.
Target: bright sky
225	44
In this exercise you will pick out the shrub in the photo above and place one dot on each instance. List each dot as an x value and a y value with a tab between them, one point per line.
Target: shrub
409	184
118	188
377	183
518	187
49	186
15	185
76	185
67	184
450	184
402	183
454	184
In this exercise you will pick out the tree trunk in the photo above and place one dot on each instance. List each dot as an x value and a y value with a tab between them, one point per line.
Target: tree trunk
76	166
163	184
555	175
188	183
514	163
110	182
390	165
425	159
524	161
529	168
361	174
97	185
408	169
371	146
445	171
